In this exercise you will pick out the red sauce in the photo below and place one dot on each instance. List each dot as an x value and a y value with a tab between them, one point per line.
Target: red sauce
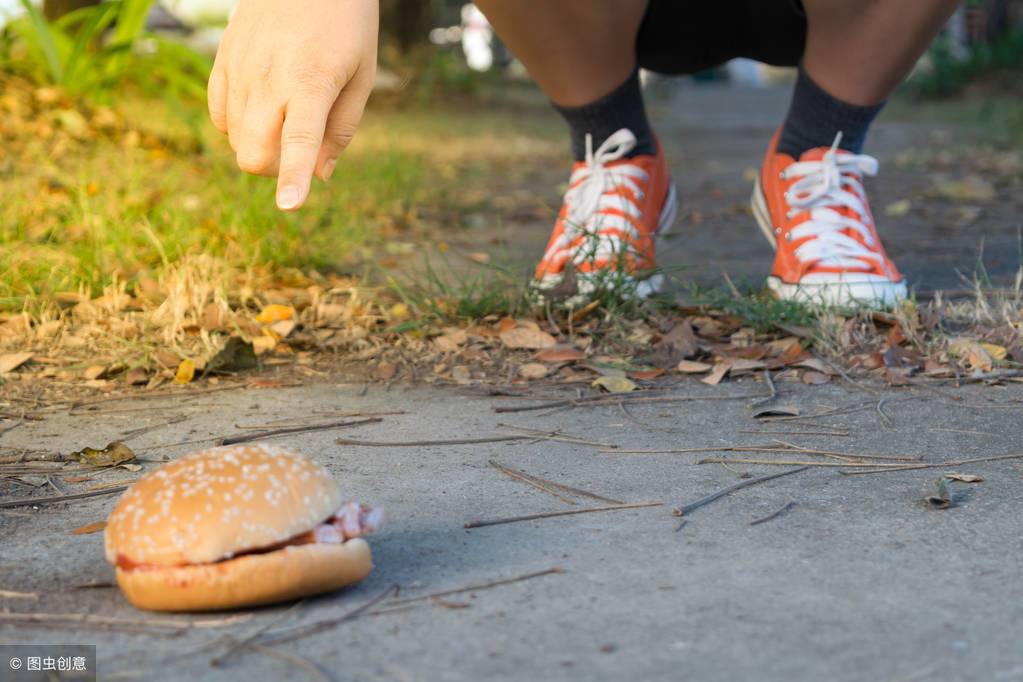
306	538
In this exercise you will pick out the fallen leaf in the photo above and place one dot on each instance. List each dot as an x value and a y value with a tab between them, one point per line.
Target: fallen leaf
282	328
94	372
560	354
399	311
94	527
236	355
898	208
461	374
275	313
943	499
522	337
779	411
77	479
744	365
385	370
816	365
675	346
615	384
12	361
533	370
813	378
647	374
717	373
114	453
478	257
970	188
185	373
995	351
693	367
964	478
263	344
136	377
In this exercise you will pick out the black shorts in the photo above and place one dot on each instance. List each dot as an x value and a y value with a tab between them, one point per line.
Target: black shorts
688	36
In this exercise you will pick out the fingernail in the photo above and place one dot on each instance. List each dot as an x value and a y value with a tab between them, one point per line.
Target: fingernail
328	168
287	197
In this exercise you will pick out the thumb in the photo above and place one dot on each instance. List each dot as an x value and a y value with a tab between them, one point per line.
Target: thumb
301	137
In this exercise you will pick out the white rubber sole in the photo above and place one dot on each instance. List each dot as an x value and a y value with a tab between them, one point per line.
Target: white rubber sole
845	289
588	283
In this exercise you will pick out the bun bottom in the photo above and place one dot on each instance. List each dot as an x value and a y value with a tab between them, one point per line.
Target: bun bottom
249	580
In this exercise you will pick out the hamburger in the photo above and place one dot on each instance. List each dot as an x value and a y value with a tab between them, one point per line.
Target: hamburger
236	526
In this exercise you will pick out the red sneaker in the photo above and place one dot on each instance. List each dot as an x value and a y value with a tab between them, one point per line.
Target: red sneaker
814	212
603	239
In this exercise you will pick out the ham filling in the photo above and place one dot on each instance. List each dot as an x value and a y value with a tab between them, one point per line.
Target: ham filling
352	520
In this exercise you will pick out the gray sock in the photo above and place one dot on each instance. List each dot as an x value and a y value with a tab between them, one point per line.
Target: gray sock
815	117
622	108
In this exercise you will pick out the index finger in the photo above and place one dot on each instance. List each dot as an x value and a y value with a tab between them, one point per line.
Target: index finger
301	137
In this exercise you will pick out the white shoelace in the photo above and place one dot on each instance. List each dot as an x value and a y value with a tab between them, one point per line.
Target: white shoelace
826	185
591	193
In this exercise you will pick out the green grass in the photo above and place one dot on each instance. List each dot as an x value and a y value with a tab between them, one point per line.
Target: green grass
100	211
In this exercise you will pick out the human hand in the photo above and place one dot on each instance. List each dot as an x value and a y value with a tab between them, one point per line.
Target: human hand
289	84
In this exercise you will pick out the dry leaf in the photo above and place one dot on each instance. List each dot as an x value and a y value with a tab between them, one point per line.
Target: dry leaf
533	370
995	351
275	313
94	372
779	411
461	373
813	378
282	328
114	453
943	499
615	384
647	374
478	257
898	208
560	354
744	365
263	344
970	188
12	361
522	337
399	311
386	370
816	365
185	373
964	478
94	527
693	367
717	374
136	377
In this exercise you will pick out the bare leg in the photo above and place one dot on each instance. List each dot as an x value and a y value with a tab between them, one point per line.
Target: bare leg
577	51
859	51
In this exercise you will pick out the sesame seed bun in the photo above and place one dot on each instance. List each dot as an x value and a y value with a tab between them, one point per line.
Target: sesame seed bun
201	533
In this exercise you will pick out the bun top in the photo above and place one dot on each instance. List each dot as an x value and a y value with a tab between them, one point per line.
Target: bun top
215	503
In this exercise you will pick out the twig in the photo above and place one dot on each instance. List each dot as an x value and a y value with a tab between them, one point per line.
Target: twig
291	634
23	416
976	433
561	439
155	394
525	480
934	465
692	506
473	588
845	376
425	443
298	429
796	433
313	668
880	413
146	429
770	384
773	515
11	594
89	618
804	464
566	488
760	448
63	498
614	398
238	645
530	517
554	435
